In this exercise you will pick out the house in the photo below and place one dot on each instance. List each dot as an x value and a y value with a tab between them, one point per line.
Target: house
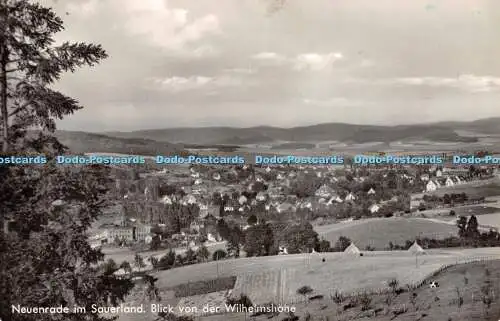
195	175
431	186
305	204
439	173
191	199
449	182
203	210
166	200
274	192
285	207
242	199
198	181
350	197
261	196
371	192
268	169
126	231
374	208
211	238
324	191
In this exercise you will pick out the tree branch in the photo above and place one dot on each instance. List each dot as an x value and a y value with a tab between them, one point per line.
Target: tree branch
20	108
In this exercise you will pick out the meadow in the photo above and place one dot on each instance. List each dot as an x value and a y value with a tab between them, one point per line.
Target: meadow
424	303
277	278
378	232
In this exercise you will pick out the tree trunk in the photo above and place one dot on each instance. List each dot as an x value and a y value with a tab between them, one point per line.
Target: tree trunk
3	99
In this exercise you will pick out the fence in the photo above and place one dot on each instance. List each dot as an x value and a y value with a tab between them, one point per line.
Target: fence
425	279
382	290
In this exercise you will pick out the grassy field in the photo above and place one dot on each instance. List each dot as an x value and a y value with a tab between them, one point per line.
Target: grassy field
486	188
426	304
492	220
277	278
125	254
379	232
373	269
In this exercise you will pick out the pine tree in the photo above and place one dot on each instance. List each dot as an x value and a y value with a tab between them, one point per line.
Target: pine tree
29	64
46	259
472	230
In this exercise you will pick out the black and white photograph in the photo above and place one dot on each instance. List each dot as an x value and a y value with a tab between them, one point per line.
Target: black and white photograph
227	160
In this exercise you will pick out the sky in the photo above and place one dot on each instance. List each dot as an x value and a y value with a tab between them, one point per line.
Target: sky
193	63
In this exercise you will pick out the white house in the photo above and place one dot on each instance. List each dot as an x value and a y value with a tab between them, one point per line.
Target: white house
350	197
324	191
449	182
439	173
242	200
268	169
431	186
374	208
285	207
261	196
198	181
190	199
166	200
424	178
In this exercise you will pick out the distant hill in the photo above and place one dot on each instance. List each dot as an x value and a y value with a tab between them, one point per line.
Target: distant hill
83	142
341	132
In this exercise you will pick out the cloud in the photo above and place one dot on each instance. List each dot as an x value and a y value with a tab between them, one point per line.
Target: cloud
182	84
302	62
155	20
270	57
245	71
365	63
316	62
469	83
333	102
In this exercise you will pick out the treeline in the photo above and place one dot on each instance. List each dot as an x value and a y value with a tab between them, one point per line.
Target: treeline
468	236
263	239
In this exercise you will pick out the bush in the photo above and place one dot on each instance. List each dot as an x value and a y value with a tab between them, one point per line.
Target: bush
219	255
204	287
